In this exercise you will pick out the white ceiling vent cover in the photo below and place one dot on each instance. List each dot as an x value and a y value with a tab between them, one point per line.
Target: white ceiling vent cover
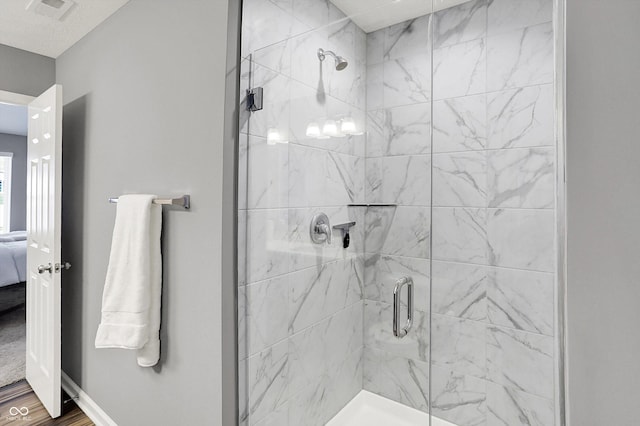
54	9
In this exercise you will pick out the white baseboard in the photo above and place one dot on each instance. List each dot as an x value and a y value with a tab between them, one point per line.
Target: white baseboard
86	404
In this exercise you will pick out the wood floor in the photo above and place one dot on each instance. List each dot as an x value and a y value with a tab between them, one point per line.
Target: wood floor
20	395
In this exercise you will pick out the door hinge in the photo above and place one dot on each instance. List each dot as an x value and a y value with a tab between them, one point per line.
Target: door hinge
255	99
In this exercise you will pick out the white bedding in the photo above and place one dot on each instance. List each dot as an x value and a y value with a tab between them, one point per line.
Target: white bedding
13	258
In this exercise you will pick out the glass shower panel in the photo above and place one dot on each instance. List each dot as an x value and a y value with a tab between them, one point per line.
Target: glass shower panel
425	131
492	355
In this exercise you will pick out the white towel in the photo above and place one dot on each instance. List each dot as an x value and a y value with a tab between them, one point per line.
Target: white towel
133	287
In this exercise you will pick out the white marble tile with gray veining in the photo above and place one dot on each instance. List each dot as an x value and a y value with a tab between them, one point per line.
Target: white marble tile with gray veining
278	417
319	292
267	244
522	178
508	406
258	29
460	234
307	176
378	332
406	180
521	299
460	69
459	290
375	46
465	22
276	57
377	226
458	398
375	86
382	272
268	176
267	316
521	239
344	179
400	379
460	179
398	231
460	124
323	348
407	80
267	381
313	13
402	130
275	115
508	351
458	345
508	15
521	117
408	38
520	58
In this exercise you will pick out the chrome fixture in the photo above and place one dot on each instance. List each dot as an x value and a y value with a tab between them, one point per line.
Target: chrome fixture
184	201
320	229
341	63
397	331
344	227
255	99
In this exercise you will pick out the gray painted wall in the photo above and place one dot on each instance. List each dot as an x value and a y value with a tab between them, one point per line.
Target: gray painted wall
25	72
603	178
18	146
144	109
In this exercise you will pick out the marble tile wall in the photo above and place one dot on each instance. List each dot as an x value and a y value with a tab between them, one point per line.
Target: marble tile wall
487	192
301	306
397	239
493	256
459	136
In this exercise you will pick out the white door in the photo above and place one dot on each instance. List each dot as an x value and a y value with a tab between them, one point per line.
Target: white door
44	191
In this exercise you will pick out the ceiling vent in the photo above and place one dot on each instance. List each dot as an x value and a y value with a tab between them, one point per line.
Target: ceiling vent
54	9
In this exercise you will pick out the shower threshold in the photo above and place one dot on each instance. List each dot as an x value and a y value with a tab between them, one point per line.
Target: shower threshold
369	409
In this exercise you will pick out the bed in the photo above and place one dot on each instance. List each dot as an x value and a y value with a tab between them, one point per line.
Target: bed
13	258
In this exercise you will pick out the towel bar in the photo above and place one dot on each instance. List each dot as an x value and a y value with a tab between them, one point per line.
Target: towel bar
184	201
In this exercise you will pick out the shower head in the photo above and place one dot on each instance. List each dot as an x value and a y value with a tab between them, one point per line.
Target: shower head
341	63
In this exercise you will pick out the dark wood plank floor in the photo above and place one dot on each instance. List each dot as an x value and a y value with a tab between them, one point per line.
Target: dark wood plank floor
21	395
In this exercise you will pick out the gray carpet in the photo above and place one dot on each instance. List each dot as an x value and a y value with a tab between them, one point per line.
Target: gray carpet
12	336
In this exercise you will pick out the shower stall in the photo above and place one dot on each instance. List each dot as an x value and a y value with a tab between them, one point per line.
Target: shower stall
398	199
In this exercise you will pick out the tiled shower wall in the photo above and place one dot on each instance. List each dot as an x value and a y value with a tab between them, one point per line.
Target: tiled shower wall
306	348
493	216
300	303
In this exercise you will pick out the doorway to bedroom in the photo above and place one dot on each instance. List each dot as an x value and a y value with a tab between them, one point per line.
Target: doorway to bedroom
13	244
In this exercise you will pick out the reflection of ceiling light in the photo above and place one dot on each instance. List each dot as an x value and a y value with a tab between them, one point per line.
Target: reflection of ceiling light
47	135
313	130
330	128
348	126
47	109
274	137
35	116
35	140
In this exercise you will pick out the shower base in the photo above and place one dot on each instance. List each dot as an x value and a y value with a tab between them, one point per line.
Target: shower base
369	409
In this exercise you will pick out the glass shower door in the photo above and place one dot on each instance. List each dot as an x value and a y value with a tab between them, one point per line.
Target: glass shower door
423	131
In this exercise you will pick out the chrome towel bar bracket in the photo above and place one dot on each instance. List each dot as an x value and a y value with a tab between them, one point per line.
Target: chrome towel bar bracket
184	201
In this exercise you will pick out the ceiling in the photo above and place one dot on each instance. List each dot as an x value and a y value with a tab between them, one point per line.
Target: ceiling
13	119
47	36
372	15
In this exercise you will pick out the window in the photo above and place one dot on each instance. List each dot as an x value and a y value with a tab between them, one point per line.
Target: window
5	191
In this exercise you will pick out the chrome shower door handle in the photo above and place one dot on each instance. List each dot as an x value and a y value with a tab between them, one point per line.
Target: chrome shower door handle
397	291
